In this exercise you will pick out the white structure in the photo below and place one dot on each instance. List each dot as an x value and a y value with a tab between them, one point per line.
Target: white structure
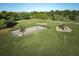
17	33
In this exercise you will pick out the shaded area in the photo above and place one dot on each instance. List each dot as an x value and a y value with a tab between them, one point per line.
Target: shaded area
11	24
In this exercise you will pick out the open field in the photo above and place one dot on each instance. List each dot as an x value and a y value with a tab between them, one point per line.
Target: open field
48	42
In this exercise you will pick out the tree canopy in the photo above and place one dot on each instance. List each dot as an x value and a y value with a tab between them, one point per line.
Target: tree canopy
10	18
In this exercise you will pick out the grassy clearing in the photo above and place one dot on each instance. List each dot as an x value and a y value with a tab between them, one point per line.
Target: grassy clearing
48	42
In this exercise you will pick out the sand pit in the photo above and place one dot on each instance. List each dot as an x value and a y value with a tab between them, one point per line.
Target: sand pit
17	33
66	29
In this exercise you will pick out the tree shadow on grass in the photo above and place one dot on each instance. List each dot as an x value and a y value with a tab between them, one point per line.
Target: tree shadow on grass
11	25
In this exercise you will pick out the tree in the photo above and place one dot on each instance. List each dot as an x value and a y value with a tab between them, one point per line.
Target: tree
3	15
11	22
58	17
77	18
42	15
14	15
51	15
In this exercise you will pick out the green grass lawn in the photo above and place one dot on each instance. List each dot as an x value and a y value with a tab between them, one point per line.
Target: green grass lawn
48	42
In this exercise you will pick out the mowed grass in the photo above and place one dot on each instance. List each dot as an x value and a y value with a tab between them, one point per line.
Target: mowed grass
48	42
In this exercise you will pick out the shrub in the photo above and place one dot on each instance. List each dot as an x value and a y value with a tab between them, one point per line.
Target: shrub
2	23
